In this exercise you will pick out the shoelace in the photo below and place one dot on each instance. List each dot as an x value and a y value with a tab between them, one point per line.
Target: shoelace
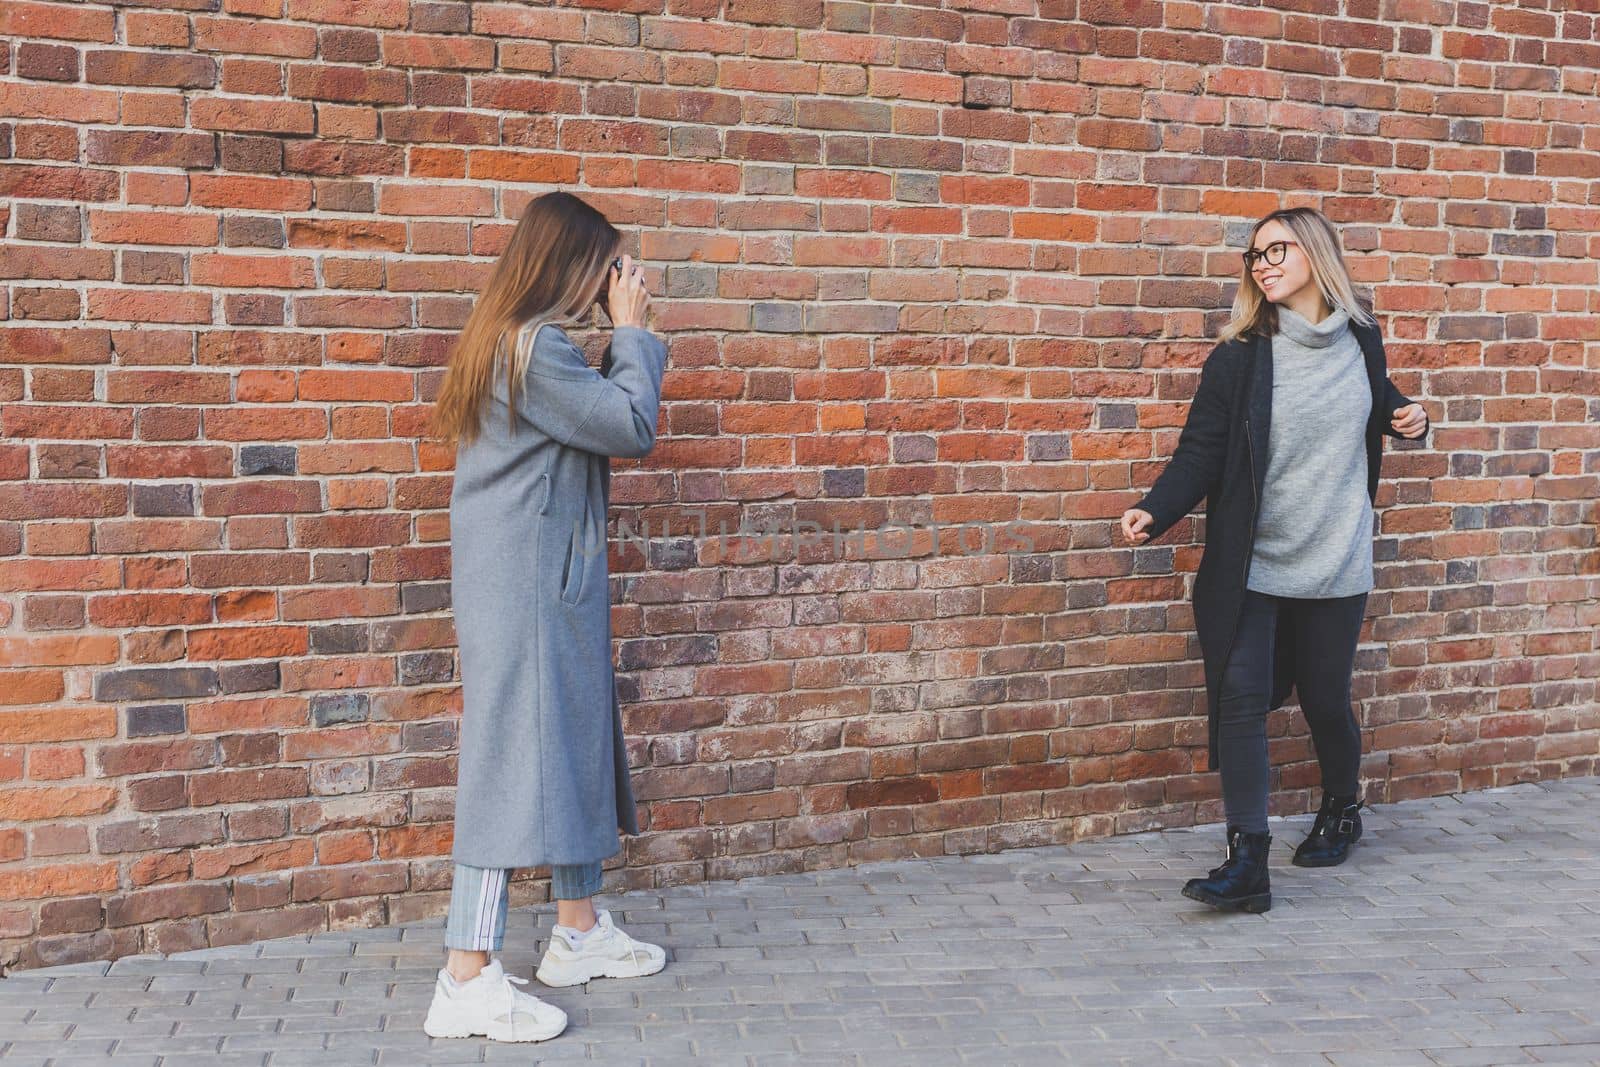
629	942
511	1001
633	950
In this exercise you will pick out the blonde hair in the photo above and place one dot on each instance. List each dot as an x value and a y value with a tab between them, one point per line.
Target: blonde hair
550	272
1254	314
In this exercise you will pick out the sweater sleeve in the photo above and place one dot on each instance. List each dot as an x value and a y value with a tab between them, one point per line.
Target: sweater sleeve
612	414
1196	463
1394	399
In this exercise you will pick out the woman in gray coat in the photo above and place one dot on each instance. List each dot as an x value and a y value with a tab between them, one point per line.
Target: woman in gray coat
543	776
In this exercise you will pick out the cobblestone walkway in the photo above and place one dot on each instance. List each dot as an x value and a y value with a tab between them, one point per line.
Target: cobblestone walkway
1464	930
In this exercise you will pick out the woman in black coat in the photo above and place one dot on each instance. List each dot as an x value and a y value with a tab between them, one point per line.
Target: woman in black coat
1284	439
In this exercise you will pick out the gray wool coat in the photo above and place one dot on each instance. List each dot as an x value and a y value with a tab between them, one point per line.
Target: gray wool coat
543	775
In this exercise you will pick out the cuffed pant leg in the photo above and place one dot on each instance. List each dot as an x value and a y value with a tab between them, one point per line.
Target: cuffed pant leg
575	881
479	897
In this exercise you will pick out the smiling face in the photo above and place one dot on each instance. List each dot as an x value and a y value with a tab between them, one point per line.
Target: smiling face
1280	281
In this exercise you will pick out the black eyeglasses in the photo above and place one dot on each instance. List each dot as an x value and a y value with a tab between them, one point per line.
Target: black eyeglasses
1273	254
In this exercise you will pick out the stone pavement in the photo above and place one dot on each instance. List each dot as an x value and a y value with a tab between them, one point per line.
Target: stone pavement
1464	930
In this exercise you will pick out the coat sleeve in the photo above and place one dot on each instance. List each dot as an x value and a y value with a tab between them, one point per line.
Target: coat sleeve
612	414
1394	399
1196	463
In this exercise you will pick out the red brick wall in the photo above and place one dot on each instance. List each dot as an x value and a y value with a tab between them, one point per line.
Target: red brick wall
916	264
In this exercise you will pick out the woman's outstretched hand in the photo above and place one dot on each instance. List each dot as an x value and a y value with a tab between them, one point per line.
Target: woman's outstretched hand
1134	525
626	299
1410	421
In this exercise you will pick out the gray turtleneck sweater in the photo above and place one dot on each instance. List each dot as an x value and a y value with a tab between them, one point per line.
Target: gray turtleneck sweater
1314	525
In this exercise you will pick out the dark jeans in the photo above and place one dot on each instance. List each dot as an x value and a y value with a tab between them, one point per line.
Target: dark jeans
1325	633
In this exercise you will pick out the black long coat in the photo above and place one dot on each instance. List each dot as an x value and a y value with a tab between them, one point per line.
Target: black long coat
1222	456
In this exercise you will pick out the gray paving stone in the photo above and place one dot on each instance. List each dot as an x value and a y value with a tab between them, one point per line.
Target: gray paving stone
1464	930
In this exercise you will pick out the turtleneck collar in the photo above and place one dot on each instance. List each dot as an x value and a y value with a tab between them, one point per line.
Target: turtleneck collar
1302	331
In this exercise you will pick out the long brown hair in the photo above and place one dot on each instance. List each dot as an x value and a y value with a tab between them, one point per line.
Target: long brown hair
551	271
1254	314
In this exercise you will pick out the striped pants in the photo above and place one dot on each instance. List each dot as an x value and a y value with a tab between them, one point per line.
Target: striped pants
479	897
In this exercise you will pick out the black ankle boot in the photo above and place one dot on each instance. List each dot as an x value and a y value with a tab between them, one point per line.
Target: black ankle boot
1241	883
1338	826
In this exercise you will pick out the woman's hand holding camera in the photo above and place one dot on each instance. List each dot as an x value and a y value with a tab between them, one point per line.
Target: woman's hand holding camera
626	298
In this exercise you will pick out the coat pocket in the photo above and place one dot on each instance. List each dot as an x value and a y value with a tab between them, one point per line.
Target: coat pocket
541	492
572	572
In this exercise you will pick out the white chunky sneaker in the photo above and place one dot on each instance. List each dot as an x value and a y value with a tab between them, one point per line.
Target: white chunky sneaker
490	1006
603	952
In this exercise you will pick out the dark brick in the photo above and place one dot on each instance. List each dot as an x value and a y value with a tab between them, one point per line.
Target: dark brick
172	499
1153	560
249	231
844	481
1117	416
162	831
253	309
348	46
676	554
441	18
166	902
166	792
915	448
69	461
79	948
429	736
1529	218
1085	595
418	597
1050	447
171	69
1532	245
1525	514
249	677
1471	328
257	155
152	268
253	892
422	667
47	62
259	823
153	719
340	638
267	459
49	222
145	683
339	567
74	915
1532	464
333	708
52	613
152	148
250	750
676	651
336	194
